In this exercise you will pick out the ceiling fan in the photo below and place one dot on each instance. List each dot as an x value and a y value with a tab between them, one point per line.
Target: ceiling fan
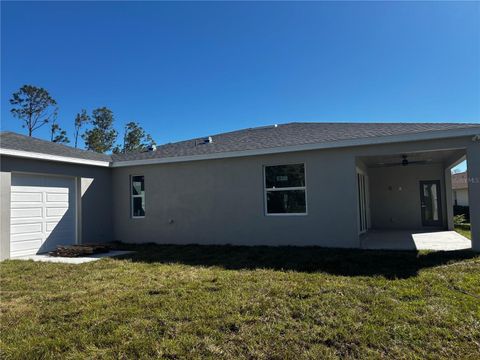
404	162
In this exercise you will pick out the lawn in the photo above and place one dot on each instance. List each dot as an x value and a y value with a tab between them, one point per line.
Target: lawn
464	230
226	302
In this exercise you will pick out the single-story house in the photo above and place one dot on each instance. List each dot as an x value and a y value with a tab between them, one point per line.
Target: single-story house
321	184
460	188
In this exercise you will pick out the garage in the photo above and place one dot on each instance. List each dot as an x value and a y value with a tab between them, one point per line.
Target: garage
43	213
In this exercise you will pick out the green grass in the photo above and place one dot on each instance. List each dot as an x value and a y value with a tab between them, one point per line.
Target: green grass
464	229
225	302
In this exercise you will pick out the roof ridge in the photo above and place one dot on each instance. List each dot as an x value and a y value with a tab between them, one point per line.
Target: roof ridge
267	127
379	123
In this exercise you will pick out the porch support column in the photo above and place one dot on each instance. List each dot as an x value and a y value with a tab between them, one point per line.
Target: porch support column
473	163
448	197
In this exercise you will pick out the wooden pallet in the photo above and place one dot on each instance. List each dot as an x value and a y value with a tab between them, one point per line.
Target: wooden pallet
79	250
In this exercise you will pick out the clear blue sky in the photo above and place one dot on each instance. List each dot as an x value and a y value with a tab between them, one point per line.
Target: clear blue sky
192	69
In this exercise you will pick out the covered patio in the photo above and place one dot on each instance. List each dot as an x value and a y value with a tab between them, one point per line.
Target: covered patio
405	199
414	240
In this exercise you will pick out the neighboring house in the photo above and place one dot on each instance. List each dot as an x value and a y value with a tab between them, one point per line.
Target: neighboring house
460	188
319	184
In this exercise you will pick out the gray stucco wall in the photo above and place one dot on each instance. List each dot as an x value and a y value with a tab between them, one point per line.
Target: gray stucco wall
96	199
473	159
5	182
395	195
222	201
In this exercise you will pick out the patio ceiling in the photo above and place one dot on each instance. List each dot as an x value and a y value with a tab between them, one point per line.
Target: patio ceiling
426	157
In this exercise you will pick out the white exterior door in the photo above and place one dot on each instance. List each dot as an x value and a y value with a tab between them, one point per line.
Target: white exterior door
43	213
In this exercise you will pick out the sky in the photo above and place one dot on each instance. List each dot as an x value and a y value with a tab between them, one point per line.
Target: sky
184	70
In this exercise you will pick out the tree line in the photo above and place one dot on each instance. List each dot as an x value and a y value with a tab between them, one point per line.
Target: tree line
35	107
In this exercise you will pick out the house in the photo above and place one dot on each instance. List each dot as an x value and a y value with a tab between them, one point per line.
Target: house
321	184
460	189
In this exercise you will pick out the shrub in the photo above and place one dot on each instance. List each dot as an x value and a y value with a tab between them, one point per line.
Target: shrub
459	219
462	210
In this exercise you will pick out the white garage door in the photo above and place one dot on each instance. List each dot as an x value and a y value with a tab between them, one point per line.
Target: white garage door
42	213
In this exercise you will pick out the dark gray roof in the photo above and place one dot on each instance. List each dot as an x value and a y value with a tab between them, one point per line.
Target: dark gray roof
267	137
286	135
14	141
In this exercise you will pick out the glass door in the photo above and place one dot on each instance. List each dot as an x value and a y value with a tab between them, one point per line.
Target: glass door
430	203
362	190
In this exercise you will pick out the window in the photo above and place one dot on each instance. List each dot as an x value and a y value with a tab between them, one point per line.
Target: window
138	196
285	190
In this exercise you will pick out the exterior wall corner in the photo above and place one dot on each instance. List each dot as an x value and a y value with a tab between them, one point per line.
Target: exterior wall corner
449	198
473	159
5	182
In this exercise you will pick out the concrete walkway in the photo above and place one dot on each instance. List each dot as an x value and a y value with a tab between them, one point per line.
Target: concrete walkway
72	260
414	240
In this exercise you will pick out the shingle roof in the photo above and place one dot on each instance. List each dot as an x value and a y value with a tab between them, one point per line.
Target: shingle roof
267	137
14	141
286	135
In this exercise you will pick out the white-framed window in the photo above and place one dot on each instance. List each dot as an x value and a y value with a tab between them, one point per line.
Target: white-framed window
137	196
285	189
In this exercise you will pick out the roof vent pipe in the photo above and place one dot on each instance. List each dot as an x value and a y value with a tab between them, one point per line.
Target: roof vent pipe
203	141
152	147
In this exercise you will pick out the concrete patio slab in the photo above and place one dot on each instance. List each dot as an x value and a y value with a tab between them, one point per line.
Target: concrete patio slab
414	240
72	260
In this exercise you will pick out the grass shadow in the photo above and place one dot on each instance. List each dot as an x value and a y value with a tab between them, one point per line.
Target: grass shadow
343	262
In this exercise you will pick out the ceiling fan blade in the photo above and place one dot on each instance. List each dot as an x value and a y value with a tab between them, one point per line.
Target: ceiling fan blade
418	162
388	164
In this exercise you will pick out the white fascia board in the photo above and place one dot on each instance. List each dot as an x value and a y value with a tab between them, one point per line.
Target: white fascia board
431	135
48	157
